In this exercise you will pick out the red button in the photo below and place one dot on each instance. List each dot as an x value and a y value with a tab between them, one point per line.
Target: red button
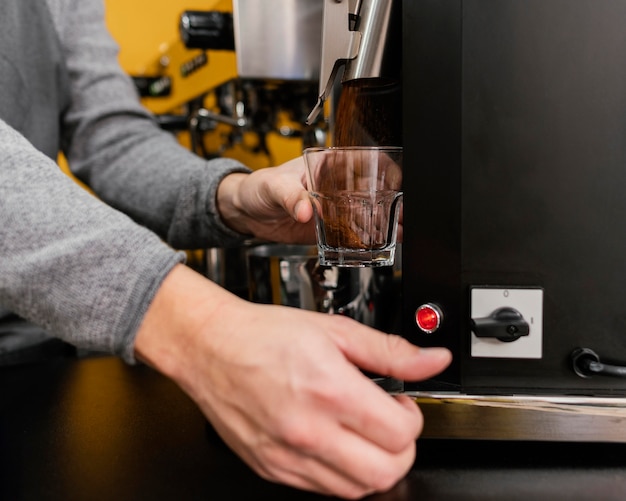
428	317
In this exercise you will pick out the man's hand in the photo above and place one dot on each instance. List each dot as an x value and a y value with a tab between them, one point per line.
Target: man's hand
270	203
282	385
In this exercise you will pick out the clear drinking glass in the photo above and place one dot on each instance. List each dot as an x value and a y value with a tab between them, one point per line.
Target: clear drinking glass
357	200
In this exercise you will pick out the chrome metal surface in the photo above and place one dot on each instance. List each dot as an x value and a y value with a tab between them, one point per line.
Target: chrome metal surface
339	44
374	22
360	45
278	39
291	275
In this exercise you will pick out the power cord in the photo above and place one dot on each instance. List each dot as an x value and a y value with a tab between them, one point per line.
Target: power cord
586	363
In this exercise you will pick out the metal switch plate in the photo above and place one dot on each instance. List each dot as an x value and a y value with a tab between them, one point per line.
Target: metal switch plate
528	301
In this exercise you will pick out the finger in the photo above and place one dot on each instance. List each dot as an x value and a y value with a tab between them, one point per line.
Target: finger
366	463
413	363
291	467
371	412
323	455
388	354
296	462
361	405
289	188
410	404
341	462
303	210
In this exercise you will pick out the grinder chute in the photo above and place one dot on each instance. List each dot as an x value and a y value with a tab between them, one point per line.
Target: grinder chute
358	36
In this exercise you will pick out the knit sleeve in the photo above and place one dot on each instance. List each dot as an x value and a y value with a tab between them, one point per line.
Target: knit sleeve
85	267
69	263
115	146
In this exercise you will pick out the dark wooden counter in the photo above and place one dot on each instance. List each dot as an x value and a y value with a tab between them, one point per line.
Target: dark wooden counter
96	429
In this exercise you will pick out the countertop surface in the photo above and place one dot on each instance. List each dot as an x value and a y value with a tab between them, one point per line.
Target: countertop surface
97	429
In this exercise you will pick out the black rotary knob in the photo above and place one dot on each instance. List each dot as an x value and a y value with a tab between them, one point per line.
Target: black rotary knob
208	30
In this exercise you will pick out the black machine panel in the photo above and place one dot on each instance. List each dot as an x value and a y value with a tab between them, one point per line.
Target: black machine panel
515	180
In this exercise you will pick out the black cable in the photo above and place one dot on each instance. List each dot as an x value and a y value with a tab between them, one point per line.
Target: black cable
586	363
606	369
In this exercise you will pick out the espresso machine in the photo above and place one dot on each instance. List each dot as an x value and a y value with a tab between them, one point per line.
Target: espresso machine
237	82
513	118
239	78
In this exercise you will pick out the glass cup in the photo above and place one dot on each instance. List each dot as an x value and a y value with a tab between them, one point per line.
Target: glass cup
357	200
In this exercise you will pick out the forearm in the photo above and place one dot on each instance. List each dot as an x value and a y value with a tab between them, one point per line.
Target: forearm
70	264
179	312
115	147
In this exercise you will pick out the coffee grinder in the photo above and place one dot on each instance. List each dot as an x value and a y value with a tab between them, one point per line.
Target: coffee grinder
514	141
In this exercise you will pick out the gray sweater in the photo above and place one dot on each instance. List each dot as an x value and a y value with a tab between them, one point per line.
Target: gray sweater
85	268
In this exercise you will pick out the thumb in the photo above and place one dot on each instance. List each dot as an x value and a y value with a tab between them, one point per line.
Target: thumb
287	186
392	355
303	210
